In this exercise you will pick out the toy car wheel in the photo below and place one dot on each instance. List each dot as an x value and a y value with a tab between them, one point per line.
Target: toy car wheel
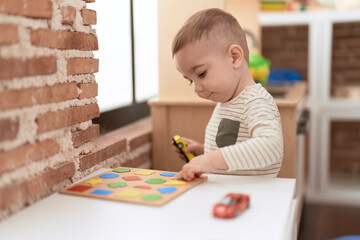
180	145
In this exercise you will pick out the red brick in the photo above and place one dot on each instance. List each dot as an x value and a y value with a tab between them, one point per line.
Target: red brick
345	53
345	140
140	139
345	164
137	133
82	66
54	176
9	34
114	143
89	16
68	15
9	129
346	29
16	67
34	96
106	146
89	90
139	160
345	64
81	137
54	120
37	187
350	43
27	8
63	39
12	195
26	154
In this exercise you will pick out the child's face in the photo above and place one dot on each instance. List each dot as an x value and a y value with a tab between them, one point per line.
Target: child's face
210	71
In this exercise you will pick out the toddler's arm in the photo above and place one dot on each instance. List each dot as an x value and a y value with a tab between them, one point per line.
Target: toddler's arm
263	151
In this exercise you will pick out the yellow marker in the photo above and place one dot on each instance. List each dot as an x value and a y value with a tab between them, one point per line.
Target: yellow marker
129	193
175	183
144	172
94	181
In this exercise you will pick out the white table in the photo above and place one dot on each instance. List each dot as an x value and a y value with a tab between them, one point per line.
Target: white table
187	217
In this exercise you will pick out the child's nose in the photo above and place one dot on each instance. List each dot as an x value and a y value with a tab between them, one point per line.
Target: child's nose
198	88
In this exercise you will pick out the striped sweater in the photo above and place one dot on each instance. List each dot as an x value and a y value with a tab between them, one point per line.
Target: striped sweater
247	129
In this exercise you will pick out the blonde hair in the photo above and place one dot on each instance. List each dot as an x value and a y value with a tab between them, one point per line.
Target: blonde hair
203	22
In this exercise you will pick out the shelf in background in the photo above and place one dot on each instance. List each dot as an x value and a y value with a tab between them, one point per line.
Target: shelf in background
345	182
345	188
324	106
347	92
341	108
306	17
342	189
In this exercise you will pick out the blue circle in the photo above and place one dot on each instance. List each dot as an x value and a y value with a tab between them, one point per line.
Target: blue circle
168	174
109	175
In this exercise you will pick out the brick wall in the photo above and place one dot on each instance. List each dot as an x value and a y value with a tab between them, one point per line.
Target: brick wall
345	69
48	100
345	150
286	47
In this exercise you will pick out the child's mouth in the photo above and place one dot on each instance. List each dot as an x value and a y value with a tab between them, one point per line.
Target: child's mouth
208	97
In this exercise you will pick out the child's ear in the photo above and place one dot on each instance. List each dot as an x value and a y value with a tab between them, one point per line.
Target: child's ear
237	55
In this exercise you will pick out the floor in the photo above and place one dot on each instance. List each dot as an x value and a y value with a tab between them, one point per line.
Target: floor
321	222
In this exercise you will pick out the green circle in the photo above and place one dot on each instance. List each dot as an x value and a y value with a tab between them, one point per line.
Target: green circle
155	180
121	170
151	197
117	184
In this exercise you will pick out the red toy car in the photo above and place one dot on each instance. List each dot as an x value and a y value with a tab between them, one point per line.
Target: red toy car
231	205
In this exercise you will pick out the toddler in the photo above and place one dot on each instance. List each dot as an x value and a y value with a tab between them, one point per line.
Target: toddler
244	133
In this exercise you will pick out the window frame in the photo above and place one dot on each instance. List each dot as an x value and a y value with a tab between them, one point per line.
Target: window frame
115	118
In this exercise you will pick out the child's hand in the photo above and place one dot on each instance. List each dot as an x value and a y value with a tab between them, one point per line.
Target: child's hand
202	164
197	166
193	146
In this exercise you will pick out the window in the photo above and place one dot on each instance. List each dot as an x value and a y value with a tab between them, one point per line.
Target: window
146	49
128	53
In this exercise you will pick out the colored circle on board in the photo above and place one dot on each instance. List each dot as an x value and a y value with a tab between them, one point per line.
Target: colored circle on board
155	180
165	190
168	174
151	197
117	184
109	175
122	170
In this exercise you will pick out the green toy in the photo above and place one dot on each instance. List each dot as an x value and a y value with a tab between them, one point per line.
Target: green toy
259	68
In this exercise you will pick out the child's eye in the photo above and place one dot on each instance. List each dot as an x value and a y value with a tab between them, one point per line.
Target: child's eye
202	75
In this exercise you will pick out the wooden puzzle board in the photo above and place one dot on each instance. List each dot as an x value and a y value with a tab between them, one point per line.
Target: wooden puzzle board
134	185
